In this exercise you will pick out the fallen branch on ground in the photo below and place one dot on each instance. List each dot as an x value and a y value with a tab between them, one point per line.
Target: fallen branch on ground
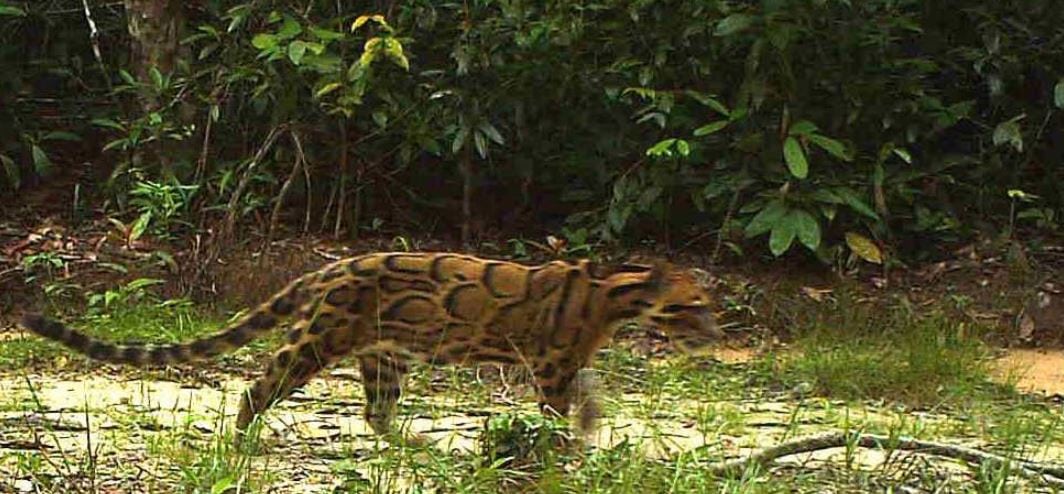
1048	474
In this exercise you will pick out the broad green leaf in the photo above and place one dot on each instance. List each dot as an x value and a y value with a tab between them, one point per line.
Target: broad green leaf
864	248
481	143
13	175
296	50
326	89
827	196
782	236
156	77
1021	195
657	117
709	101
41	163
325	34
1008	132
904	155
733	24
208	29
1058	94
851	199
357	71
126	76
264	41
683	147
492	133
1036	214
833	147
710	128
795	158
661	148
117	143
140	226
764	220
59	135
807	227
106	122
370	50
289	29
11	10
239	14
459	139
802	128
394	49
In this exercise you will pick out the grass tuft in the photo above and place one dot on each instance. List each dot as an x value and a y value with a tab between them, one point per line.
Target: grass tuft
859	352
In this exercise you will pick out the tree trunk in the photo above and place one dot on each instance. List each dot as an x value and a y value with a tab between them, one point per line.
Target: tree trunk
466	169
155	28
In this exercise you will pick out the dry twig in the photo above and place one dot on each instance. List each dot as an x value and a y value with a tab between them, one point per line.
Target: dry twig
298	163
1048	474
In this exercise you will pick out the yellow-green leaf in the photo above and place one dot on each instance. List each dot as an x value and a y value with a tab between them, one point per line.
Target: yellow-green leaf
296	50
710	128
363	19
326	89
795	158
864	248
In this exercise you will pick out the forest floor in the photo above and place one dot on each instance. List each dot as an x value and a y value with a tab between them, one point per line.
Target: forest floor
82	428
964	352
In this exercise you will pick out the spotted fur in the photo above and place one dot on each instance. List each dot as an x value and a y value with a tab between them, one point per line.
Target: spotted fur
388	309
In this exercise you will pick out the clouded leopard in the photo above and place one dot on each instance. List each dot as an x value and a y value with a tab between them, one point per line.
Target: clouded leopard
387	309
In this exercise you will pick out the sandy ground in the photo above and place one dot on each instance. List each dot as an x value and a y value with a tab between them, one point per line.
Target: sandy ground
137	430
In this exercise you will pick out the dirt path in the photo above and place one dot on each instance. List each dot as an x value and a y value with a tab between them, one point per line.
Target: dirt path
136	435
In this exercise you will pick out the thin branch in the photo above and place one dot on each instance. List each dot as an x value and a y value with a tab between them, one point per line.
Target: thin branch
341	204
230	219
296	165
328	207
94	38
201	164
1048	474
306	178
732	206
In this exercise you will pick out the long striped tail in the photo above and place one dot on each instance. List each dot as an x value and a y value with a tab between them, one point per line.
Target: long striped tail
250	327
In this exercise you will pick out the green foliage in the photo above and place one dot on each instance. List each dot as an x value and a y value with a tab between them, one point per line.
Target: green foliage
45	67
124	296
512	441
41	264
160	207
785	123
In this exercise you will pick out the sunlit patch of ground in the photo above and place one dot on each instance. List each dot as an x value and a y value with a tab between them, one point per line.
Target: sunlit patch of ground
122	434
1035	371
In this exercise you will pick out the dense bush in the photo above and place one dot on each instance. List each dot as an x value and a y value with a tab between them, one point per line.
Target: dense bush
800	122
